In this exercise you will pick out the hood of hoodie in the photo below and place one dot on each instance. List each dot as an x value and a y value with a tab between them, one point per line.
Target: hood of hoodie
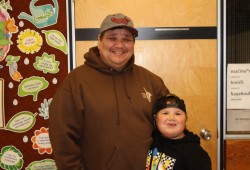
93	59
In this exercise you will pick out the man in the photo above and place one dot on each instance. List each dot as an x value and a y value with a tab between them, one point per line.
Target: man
101	115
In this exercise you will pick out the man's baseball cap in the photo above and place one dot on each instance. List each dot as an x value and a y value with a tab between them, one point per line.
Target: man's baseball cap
118	20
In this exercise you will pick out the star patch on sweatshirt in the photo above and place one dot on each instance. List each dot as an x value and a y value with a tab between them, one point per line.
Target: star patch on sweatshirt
146	95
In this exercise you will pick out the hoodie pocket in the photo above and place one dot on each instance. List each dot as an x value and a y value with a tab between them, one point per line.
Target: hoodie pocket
111	158
130	156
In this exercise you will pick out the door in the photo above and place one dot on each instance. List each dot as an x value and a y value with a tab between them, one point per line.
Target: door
188	66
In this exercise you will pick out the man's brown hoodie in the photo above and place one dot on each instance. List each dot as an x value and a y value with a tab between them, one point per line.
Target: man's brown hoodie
101	119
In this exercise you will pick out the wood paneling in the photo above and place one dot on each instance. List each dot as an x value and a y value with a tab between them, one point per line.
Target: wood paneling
237	154
148	13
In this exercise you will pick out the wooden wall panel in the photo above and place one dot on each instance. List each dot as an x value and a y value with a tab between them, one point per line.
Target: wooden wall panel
170	13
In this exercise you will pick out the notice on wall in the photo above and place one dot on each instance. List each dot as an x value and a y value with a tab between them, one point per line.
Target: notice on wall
238	121
238	98
238	86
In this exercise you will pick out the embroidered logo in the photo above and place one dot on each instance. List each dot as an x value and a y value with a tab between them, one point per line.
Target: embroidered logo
124	20
146	95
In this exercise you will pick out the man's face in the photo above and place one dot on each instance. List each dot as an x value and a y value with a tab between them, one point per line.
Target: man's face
116	47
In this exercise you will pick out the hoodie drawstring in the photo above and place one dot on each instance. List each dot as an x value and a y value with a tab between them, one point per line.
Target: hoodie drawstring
116	95
117	104
125	86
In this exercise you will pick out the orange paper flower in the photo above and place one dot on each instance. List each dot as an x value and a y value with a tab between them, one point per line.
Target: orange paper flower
41	141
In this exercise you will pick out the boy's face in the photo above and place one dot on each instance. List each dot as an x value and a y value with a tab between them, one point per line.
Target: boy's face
171	122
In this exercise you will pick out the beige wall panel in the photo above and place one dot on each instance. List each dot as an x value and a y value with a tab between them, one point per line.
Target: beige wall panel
81	48
148	13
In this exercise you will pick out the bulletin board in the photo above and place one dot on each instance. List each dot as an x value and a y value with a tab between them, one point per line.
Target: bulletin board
35	56
237	55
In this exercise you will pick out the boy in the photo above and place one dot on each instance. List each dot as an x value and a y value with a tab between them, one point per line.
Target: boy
174	147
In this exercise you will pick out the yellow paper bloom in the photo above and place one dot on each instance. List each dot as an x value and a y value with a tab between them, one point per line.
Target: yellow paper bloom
29	41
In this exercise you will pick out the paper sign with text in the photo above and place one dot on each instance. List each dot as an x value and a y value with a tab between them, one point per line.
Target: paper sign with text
238	86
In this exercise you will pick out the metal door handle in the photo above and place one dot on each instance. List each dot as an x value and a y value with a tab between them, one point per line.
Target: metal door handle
205	134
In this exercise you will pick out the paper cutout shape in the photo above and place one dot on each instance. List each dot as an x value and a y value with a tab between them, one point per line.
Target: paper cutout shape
41	16
47	63
41	141
32	86
11	158
10	25
43	164
44	110
4	37
7	27
12	63
56	39
29	41
21	122
5	5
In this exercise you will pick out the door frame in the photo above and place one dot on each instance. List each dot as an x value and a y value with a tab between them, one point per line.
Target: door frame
221	86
